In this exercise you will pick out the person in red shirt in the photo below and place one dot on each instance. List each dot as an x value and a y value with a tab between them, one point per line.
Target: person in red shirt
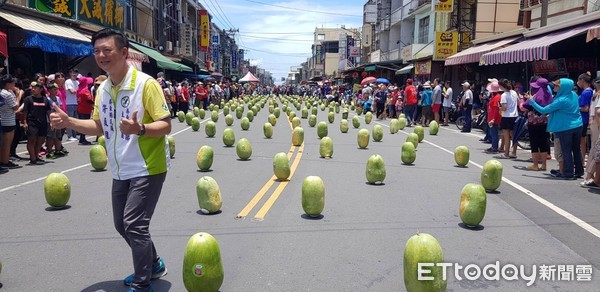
85	104
184	105
494	116
202	95
410	97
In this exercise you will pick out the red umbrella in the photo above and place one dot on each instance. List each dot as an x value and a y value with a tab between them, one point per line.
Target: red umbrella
367	80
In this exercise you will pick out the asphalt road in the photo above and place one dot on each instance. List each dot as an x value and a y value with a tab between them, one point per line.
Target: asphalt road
357	245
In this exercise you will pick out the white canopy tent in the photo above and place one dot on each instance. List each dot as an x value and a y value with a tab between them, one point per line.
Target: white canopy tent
249	78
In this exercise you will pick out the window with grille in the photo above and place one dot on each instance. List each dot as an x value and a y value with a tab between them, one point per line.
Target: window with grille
424	30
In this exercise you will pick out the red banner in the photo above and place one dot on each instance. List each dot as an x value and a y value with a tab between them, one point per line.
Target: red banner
3	45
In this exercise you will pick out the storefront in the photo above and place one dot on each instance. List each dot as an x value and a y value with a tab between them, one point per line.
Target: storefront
560	50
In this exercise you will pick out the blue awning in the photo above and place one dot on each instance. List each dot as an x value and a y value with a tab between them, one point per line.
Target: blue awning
52	44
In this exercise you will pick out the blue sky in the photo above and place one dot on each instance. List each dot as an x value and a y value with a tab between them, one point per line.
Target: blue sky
276	37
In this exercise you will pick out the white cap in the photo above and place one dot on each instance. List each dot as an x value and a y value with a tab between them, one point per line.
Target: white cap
466	84
492	80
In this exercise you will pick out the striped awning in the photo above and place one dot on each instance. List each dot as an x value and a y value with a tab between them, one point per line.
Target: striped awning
533	49
473	54
39	25
137	56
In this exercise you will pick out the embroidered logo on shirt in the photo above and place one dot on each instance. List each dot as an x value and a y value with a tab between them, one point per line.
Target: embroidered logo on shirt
125	101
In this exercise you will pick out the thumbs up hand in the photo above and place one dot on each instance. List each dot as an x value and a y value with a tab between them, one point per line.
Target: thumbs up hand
58	119
130	126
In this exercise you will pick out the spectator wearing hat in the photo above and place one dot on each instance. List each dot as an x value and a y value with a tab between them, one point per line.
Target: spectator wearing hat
537	123
71	86
36	110
380	99
426	102
202	95
97	83
494	116
565	121
466	105
410	105
54	137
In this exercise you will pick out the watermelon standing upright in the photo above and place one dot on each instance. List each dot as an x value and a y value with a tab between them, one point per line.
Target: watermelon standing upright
313	196
202	266
423	248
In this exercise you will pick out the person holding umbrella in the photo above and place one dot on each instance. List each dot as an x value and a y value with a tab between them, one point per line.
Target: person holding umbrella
380	99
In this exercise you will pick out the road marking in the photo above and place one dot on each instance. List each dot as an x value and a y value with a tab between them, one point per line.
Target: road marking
260	215
262	191
589	228
41	178
269	203
586	226
76	167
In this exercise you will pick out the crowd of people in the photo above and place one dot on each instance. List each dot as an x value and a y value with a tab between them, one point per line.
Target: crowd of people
24	111
560	110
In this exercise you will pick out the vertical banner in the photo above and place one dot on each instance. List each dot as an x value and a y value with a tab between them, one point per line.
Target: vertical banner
234	65
444	5
204	30
445	45
318	54
349	51
215	56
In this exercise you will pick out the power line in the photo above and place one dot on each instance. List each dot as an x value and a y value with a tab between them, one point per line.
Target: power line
216	15
223	13
301	9
289	33
298	55
274	39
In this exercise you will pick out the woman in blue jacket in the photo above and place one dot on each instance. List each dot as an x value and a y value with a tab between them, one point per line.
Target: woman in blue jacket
565	121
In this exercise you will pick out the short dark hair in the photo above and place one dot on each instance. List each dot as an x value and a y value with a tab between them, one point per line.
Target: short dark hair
73	70
120	39
447	82
6	79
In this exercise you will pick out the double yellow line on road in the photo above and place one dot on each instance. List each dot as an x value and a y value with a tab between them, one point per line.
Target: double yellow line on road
262	212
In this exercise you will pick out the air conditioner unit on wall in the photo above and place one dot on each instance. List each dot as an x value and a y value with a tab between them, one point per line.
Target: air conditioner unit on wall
169	46
176	51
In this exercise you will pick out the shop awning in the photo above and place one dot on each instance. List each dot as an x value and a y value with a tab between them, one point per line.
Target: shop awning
50	36
137	55
593	33
405	70
425	52
533	49
473	54
161	61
